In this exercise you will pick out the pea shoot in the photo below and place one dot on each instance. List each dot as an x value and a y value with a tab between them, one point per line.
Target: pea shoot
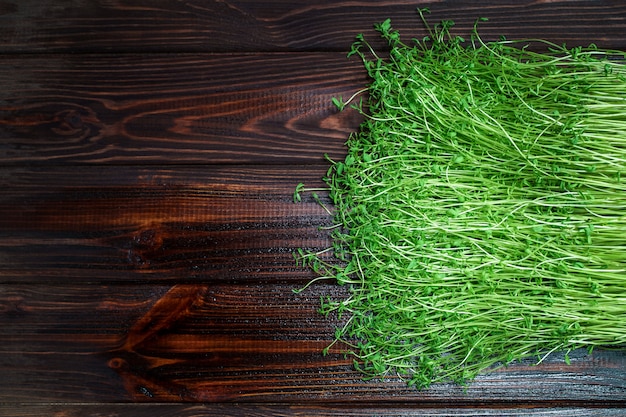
480	210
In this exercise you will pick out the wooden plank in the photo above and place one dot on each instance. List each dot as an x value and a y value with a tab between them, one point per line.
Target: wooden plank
241	343
282	410
163	109
54	340
279	25
189	223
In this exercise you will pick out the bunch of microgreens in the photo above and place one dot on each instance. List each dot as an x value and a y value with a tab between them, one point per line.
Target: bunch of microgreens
480	210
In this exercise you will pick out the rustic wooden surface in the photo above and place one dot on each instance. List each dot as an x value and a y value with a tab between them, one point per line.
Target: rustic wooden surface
148	156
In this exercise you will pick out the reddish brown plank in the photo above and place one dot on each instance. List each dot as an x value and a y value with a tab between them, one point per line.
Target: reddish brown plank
202	109
283	410
54	339
243	343
279	25
189	223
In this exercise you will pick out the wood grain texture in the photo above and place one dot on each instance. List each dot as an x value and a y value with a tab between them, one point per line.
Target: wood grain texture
297	410
202	109
179	223
244	343
280	25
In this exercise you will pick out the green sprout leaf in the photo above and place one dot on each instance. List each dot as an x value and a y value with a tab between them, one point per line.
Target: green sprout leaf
479	210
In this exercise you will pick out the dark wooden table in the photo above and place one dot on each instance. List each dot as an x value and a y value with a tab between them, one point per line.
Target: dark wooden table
148	155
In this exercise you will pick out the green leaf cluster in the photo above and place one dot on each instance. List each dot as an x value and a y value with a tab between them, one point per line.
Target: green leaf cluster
480	208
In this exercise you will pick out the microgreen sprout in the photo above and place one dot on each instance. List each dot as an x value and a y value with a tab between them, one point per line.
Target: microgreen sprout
301	188
480	211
